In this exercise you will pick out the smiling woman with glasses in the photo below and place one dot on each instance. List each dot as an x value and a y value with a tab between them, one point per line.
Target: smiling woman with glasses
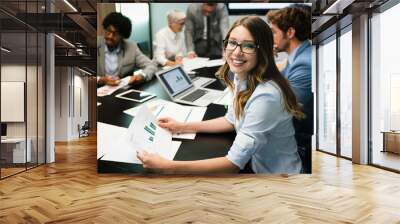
261	112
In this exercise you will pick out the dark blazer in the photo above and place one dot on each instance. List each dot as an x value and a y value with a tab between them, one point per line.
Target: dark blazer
194	27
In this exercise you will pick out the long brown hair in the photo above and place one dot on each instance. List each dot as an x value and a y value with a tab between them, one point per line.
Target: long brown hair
263	71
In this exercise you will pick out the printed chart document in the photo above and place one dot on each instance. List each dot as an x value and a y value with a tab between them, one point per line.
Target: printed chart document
142	134
162	108
107	90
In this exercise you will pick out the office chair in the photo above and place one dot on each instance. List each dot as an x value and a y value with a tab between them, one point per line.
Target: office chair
84	130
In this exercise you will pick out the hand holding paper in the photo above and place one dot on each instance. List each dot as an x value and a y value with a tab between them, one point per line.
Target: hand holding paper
152	160
107	90
142	134
171	124
161	109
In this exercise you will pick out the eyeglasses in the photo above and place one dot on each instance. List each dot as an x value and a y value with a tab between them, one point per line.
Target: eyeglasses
113	33
180	23
245	47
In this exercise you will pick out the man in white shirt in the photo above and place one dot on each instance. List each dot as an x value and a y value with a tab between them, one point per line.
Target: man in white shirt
169	43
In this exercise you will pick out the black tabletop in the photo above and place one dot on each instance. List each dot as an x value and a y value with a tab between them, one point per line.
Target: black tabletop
202	147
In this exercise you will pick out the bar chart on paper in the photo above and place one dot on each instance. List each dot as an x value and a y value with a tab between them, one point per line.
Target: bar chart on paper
162	108
150	129
142	134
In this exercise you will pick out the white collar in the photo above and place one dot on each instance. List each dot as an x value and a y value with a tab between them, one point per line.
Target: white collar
171	33
240	85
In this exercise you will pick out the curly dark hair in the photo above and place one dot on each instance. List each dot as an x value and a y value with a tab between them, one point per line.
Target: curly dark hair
296	16
120	22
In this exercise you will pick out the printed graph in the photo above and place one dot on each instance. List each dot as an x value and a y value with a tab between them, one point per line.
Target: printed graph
151	130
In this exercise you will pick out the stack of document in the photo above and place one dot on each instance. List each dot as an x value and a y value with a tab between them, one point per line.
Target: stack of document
190	64
215	62
121	144
107	90
162	108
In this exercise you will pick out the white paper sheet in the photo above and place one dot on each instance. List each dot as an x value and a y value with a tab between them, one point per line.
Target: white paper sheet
107	90
196	114
215	62
106	136
142	134
226	99
190	64
165	153
162	108
202	81
170	153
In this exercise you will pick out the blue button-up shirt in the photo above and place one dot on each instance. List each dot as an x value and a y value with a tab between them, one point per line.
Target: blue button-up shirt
111	60
291	55
265	132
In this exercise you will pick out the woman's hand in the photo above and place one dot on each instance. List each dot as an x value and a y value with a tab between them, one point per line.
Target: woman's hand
153	160
171	124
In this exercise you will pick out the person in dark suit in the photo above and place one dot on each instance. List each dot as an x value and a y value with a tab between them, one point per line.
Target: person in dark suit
206	26
117	57
291	27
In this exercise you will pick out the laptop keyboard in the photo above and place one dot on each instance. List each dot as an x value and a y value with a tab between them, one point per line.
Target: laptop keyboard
195	95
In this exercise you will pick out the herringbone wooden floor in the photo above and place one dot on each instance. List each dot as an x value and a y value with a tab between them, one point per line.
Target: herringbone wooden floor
71	191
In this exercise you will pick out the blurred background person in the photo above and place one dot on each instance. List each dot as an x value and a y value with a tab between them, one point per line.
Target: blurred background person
291	27
169	44
206	26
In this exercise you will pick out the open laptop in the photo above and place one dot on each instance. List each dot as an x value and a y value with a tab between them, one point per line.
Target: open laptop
181	88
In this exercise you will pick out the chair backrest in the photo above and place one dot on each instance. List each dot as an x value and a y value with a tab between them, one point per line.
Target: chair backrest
304	150
86	125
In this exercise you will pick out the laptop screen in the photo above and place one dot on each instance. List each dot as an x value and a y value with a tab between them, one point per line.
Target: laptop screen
176	81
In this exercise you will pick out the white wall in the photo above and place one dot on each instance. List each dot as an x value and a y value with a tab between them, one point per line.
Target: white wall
314	90
71	103
61	103
15	73
139	17
159	14
33	126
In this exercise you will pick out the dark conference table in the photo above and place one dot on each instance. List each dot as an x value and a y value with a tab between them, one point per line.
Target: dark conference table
204	146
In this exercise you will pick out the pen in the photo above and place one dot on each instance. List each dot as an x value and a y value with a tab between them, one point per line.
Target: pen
187	116
158	113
